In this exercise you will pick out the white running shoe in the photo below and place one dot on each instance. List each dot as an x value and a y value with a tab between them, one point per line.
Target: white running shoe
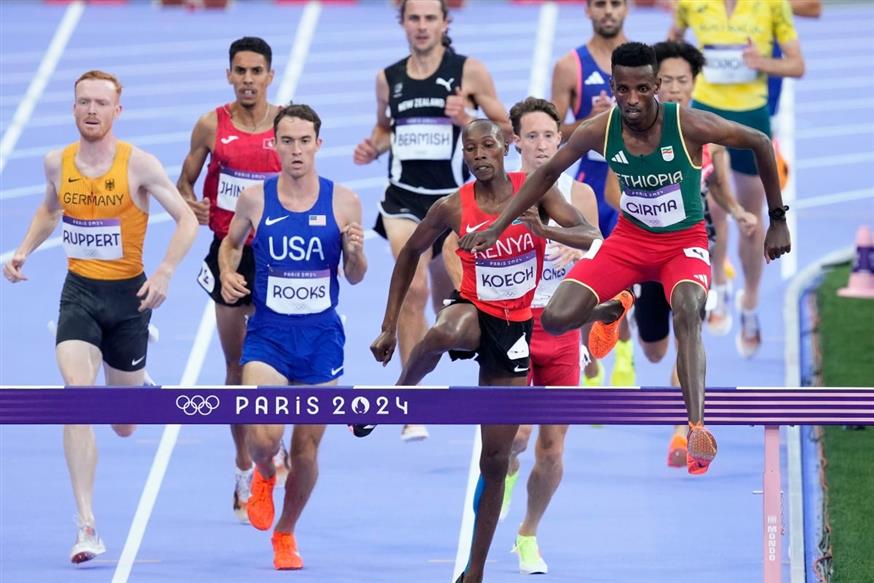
282	463
242	491
414	433
749	335
530	561
719	318
88	545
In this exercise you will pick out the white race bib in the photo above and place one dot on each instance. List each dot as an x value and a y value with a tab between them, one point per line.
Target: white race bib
422	138
296	292
232	182
655	208
550	278
506	279
725	65
92	239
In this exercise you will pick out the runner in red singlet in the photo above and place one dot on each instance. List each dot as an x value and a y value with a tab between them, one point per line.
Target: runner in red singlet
490	318
238	138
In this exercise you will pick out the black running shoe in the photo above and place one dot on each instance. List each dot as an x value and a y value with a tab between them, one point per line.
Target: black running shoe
361	430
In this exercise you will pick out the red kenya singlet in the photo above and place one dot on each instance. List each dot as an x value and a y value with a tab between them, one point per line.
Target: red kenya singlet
501	280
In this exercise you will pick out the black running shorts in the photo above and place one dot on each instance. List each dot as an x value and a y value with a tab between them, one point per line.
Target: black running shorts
106	313
402	204
652	314
504	345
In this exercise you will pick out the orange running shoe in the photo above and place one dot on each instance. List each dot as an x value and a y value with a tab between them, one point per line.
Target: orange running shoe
701	449
677	452
285	555
782	164
603	337
260	505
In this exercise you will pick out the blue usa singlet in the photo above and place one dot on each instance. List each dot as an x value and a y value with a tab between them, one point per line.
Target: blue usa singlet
296	258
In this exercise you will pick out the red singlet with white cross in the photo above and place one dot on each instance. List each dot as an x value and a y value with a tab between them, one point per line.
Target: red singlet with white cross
238	160
501	280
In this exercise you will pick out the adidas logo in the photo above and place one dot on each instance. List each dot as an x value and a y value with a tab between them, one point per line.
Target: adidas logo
620	158
594	79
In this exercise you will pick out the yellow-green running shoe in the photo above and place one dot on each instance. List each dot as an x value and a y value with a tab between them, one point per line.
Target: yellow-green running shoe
509	484
623	369
595	381
530	561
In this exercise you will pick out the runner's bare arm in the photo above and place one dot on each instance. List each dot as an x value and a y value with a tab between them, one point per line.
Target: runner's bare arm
791	64
349	210
441	217
247	215
612	192
806	8
589	136
575	230
380	138
44	221
565	77
702	127
719	188
477	84
202	141
678	23
564	91
583	199
146	171
451	261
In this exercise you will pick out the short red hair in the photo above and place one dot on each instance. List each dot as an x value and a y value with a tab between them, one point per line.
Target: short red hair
102	76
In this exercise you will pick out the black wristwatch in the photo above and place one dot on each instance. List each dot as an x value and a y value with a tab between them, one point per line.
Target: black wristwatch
779	213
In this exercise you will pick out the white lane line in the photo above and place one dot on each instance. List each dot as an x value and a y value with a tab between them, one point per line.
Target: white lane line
834	63
305	30
786	134
543	49
836	160
465	532
838	197
169	436
833	85
835	105
46	68
834	131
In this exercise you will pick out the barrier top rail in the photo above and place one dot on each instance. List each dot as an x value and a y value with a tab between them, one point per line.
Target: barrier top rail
432	405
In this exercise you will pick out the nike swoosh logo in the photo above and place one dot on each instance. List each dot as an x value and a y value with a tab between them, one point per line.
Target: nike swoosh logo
520	369
73	179
468	229
137	361
229	139
336	370
268	221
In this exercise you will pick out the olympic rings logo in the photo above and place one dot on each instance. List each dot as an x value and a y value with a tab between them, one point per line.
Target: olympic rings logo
197	405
